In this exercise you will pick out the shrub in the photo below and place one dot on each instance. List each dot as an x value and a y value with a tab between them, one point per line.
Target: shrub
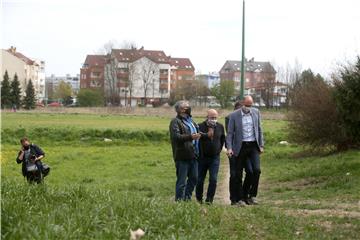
347	97
314	119
90	98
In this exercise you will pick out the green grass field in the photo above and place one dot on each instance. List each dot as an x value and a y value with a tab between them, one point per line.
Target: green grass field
101	190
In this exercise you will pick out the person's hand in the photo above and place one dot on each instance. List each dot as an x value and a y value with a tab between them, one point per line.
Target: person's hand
195	136
261	149
229	152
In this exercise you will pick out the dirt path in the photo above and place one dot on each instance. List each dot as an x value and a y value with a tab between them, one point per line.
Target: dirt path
222	195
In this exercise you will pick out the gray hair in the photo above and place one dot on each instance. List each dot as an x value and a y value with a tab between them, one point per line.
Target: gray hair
180	104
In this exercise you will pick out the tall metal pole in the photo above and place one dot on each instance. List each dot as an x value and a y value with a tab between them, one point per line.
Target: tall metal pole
242	83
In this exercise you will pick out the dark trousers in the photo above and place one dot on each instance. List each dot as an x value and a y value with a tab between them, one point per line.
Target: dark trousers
250	157
235	181
206	164
186	179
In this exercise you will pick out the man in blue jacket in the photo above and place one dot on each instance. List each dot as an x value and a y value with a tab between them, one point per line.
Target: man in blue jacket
184	134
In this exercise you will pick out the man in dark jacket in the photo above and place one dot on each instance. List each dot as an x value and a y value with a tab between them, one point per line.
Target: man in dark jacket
30	152
185	137
211	145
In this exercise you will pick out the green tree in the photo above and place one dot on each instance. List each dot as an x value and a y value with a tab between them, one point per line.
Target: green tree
90	98
16	92
5	91
63	91
223	92
347	97
29	99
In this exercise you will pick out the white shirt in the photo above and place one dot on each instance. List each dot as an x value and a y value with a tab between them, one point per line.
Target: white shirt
247	127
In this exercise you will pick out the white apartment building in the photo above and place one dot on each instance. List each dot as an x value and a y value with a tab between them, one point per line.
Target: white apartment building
13	62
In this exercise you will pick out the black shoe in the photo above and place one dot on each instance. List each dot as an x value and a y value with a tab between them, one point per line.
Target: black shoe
208	201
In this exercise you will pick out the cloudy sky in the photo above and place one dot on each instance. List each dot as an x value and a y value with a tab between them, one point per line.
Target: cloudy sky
319	34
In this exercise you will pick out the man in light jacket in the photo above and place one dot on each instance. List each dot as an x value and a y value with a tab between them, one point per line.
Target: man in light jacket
245	142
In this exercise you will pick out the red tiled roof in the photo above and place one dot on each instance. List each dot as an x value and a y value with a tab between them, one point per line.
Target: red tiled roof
131	55
182	63
21	56
95	60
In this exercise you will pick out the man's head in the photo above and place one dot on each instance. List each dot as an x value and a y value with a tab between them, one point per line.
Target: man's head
25	142
212	116
183	108
247	103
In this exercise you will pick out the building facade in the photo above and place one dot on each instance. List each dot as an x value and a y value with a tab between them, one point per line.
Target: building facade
260	81
13	62
53	82
92	72
129	77
209	80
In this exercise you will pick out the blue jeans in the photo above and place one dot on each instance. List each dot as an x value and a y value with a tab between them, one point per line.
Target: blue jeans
210	164
186	179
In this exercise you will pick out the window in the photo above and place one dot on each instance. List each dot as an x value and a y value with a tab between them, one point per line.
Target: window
95	74
94	83
123	70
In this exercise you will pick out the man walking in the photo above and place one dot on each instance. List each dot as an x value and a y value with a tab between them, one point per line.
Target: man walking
185	137
234	198
211	145
245	142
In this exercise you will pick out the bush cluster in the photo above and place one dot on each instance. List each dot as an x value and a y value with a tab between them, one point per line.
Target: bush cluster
326	113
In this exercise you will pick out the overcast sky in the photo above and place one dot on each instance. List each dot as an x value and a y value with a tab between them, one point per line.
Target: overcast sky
318	33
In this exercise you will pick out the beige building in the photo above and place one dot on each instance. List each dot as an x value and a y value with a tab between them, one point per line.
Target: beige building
25	68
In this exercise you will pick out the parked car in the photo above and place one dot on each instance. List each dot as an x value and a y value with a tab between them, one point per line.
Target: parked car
55	104
40	104
214	105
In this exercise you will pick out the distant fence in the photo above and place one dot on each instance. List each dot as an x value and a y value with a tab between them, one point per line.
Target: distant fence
145	111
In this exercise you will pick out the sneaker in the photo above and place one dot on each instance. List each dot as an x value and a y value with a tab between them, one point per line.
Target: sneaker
241	204
252	201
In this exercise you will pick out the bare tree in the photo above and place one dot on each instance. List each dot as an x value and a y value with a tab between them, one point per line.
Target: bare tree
148	71
129	81
128	44
112	91
268	85
108	47
112	81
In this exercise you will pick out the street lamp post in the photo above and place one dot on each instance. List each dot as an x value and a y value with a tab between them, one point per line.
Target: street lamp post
242	83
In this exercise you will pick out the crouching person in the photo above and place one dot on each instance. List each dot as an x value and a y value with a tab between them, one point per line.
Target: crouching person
30	156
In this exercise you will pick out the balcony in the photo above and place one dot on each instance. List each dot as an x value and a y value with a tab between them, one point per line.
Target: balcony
163	76
163	85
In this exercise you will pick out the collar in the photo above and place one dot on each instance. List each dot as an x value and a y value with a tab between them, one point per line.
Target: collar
183	118
243	114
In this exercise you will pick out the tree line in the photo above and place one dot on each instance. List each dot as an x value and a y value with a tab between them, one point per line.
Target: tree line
11	94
